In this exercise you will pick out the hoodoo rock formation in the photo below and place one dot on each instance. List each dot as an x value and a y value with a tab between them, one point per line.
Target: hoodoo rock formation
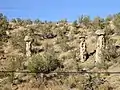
83	50
100	45
28	41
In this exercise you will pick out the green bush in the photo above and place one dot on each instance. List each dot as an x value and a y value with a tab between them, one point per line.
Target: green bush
43	63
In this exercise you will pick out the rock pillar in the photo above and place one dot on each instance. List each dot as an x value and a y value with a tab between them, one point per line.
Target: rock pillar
83	51
100	46
28	41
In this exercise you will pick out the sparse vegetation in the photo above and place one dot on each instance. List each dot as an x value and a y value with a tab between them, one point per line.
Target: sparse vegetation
18	41
60	51
3	27
43	63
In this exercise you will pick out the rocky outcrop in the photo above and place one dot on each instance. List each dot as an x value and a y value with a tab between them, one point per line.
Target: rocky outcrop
37	49
45	36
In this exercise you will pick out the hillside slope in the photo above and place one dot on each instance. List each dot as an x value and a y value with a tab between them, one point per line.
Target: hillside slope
55	47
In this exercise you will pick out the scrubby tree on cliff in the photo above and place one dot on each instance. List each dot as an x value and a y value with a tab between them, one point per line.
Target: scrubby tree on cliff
116	22
75	23
13	20
108	18
3	27
84	20
98	23
28	22
37	21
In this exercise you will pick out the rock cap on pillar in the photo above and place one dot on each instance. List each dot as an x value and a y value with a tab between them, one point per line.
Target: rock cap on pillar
100	32
82	36
27	38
